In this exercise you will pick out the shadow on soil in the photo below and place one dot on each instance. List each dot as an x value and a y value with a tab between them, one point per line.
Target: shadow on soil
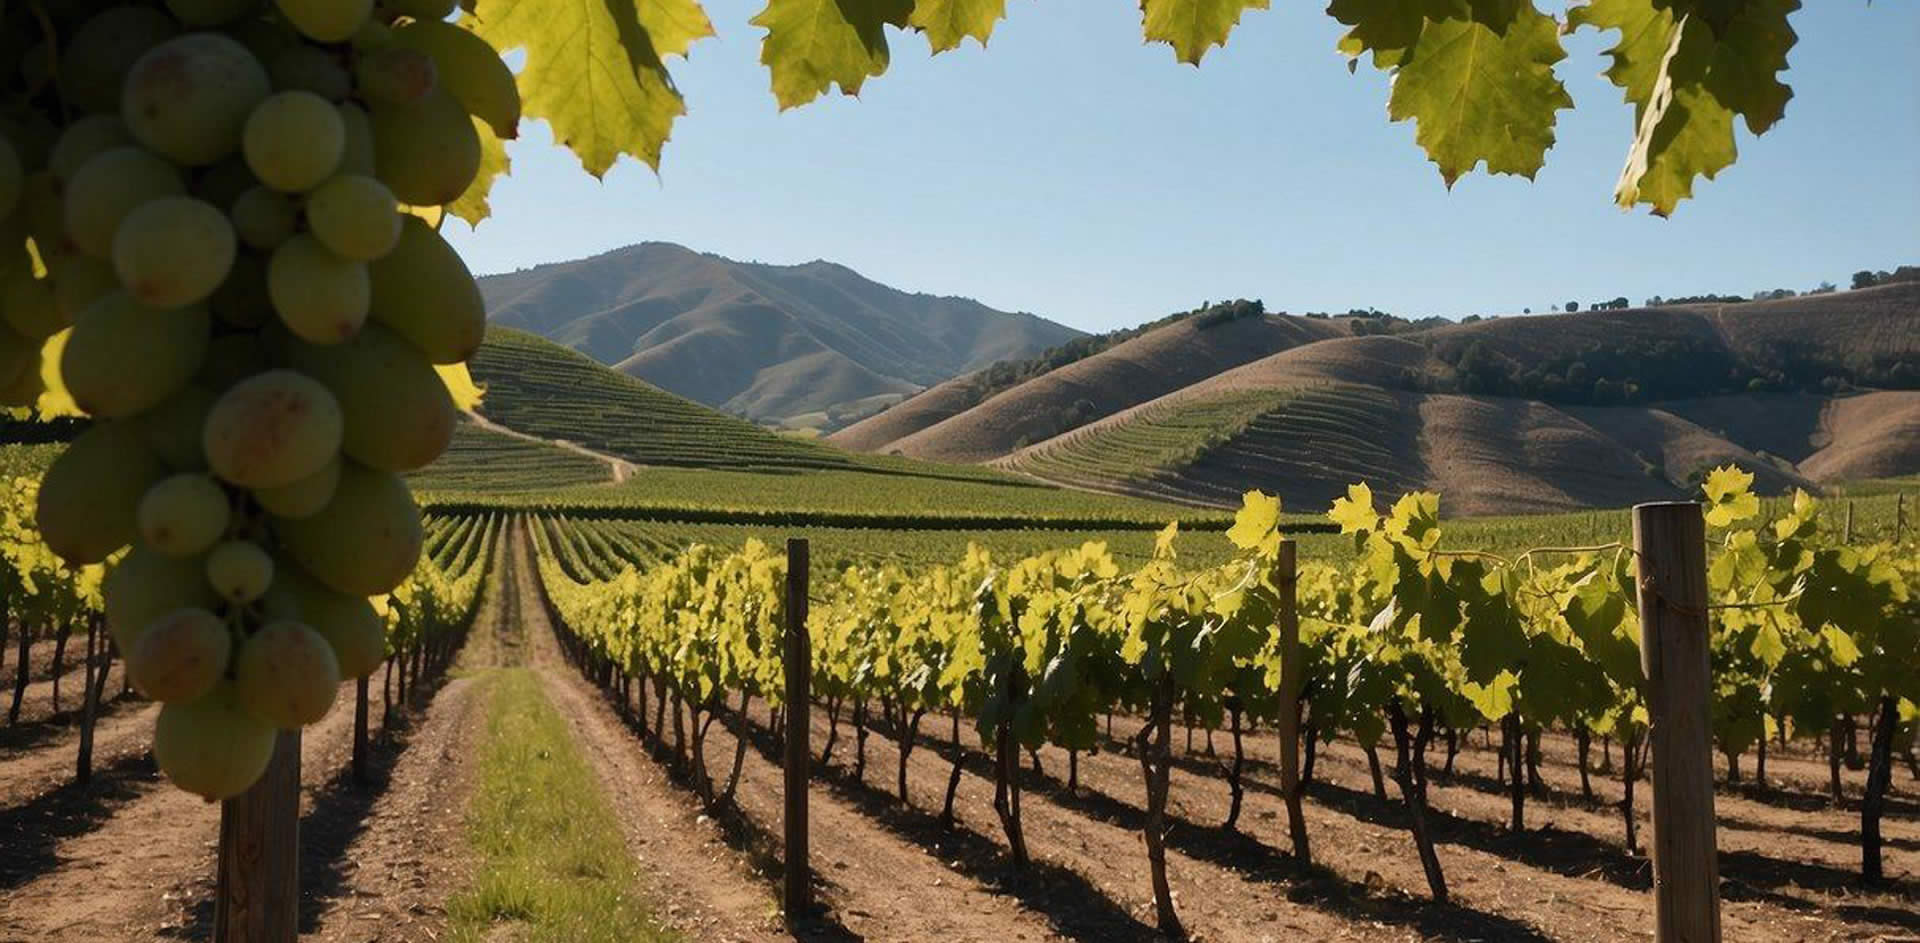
336	816
32	832
741	833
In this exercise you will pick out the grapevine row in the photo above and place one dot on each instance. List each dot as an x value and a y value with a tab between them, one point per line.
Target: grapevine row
416	629
1414	639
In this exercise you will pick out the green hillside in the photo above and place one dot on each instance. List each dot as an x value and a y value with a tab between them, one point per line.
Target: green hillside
543	389
484	460
694	463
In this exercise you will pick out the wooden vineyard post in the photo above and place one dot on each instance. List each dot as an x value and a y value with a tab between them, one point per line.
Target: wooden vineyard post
360	731
1669	541
1847	537
1284	577
257	888
1899	515
797	896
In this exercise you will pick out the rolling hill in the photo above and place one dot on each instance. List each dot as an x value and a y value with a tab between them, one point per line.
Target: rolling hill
932	426
1532	414
558	426
768	342
536	387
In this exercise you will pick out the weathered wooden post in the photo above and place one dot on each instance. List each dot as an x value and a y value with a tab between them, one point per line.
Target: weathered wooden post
360	731
257	889
797	898
1847	538
1285	571
1669	541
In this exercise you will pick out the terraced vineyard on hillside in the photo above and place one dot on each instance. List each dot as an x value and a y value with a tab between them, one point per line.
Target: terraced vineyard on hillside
545	390
1293	442
481	459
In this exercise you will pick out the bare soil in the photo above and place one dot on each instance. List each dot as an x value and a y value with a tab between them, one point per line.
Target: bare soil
126	857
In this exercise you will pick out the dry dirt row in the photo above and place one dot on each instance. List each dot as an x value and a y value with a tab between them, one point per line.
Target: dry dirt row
715	877
126	857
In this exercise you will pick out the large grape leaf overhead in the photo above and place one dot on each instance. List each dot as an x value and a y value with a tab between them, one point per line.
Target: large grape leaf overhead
1690	68
812	45
1191	27
1475	76
594	69
947	22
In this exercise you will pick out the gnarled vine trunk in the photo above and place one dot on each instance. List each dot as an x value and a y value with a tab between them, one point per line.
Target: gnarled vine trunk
1879	777
1373	770
1409	773
1156	765
1235	790
1006	778
953	776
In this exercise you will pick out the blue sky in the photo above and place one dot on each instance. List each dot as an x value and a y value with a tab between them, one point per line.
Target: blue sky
1071	171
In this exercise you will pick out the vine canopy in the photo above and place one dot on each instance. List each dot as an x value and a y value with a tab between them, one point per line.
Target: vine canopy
1475	77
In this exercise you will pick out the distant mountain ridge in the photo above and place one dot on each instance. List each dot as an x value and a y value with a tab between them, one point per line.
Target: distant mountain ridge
807	344
1519	415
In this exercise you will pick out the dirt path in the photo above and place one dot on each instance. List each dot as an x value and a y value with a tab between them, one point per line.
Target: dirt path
618	467
877	882
399	853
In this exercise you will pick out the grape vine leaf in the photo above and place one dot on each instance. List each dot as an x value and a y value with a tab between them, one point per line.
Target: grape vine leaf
466	393
812	45
1386	29
1840	645
1494	699
1191	27
674	25
594	70
1255	524
1354	513
1729	496
55	401
1475	76
1690	68
1163	541
1416	519
472	205
947	22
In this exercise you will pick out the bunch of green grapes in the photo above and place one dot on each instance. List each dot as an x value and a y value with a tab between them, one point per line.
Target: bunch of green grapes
219	203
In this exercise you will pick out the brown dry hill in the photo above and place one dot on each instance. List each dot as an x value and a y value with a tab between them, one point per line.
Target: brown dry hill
1152	364
764	341
1534	414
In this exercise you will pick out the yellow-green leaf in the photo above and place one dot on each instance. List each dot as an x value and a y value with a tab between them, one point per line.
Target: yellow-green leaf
594	72
1385	28
1163	541
55	401
472	205
1354	513
1192	27
813	45
674	25
947	22
466	394
1729	496
1479	86
1256	520
1690	68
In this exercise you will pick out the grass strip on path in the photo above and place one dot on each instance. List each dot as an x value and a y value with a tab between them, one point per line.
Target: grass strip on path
550	863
